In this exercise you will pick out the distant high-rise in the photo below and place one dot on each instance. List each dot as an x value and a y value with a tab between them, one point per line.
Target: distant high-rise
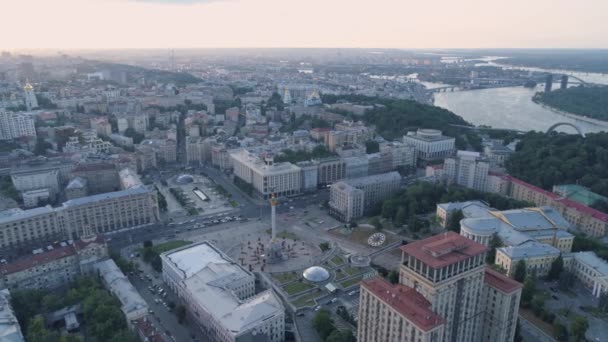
30	97
548	83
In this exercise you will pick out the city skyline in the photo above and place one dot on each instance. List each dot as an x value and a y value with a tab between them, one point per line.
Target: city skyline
106	24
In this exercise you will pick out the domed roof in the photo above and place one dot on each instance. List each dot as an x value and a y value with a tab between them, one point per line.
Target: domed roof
185	179
28	87
316	274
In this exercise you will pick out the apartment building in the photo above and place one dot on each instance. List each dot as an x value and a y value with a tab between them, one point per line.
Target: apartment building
330	170
449	271
430	144
34	178
110	211
220	295
55	265
194	150
501	299
396	313
467	169
16	125
100	177
346	202
266	176
589	269
590	221
351	198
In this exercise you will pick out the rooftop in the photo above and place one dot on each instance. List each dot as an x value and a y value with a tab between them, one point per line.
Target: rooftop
93	167
578	194
592	260
500	281
208	273
10	331
571	204
33	260
121	287
529	249
443	249
135	191
374	179
10	215
405	300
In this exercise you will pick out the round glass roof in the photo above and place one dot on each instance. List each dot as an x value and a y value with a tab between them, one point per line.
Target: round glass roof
185	179
316	274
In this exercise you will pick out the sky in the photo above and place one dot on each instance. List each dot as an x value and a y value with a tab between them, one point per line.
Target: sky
93	24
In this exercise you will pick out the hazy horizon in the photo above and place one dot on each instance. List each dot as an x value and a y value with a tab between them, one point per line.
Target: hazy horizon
390	24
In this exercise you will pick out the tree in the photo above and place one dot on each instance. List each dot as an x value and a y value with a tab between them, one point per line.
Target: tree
131	133
455	218
579	327
372	146
557	266
41	146
180	312
495	243
324	246
341	336
603	302
393	277
37	332
376	223
148	244
157	263
323	323
520	271
566	280
401	216
528	291
561	332
352	224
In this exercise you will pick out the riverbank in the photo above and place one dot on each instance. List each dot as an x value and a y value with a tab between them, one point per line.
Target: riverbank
570	115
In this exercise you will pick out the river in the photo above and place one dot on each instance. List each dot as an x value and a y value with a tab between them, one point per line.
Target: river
513	107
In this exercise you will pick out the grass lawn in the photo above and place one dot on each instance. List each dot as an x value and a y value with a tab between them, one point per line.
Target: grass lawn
351	282
340	275
169	245
296	287
352	270
337	260
285	277
307	299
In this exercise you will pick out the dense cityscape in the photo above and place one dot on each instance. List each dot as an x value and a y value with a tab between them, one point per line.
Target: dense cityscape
303	194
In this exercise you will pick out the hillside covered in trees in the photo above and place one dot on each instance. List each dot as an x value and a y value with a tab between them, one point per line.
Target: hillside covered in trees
550	159
587	101
393	118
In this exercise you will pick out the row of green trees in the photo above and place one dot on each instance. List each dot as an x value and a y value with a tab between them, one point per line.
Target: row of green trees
324	324
287	155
